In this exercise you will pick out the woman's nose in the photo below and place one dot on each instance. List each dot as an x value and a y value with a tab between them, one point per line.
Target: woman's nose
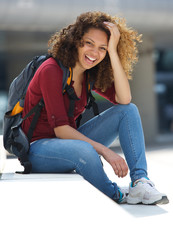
95	52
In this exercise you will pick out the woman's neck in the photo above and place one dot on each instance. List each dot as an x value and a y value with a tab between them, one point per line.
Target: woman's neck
78	74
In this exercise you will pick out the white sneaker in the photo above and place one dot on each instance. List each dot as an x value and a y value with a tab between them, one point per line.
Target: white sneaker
123	192
144	191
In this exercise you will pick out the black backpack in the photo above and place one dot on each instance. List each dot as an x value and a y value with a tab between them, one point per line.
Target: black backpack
14	139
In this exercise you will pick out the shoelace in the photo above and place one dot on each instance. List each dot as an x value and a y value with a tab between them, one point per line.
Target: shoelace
149	185
144	181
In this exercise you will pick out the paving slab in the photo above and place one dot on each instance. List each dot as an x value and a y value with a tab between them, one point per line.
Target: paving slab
65	206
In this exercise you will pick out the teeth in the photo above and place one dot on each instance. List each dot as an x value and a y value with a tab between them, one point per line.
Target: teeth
90	58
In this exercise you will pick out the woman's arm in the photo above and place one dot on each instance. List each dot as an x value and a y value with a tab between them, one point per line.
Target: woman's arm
121	83
117	162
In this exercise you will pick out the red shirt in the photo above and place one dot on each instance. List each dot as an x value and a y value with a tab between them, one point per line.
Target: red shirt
47	84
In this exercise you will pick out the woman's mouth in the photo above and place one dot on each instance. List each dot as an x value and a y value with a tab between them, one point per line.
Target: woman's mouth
89	59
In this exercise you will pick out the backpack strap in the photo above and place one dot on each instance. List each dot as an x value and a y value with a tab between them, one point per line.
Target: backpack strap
67	88
93	104
72	96
90	98
90	101
37	110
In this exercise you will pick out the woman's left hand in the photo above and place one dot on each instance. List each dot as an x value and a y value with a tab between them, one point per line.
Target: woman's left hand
114	37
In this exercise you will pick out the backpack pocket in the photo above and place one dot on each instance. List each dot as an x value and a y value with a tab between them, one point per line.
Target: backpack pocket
15	140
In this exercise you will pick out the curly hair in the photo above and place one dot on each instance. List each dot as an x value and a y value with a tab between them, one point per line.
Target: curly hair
64	44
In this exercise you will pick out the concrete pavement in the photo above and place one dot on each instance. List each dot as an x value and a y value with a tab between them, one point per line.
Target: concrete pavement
65	206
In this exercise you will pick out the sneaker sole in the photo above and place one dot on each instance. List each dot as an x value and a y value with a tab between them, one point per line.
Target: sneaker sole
143	201
163	200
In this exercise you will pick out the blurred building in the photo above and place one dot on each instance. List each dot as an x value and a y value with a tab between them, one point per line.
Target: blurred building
26	26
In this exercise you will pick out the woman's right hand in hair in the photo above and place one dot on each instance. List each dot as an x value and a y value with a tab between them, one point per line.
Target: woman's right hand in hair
114	37
118	164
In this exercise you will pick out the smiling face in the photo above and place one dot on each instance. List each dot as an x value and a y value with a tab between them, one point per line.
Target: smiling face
94	49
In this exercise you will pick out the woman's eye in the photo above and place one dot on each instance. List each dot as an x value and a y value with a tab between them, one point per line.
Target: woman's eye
103	49
89	43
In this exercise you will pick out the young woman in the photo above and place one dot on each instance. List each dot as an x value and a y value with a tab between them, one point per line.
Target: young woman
104	49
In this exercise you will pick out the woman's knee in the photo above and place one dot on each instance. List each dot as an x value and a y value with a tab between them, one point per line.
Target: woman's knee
130	108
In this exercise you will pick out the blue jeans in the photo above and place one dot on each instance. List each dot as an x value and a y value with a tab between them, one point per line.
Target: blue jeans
65	155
